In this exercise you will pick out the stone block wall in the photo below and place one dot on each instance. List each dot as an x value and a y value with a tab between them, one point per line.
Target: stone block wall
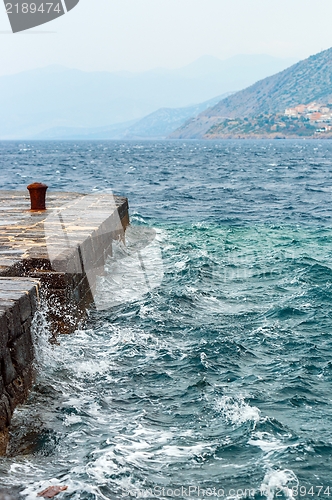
19	299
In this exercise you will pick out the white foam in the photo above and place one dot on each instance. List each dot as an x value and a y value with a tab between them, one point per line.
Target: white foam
266	442
180	265
277	482
132	271
236	410
266	446
182	451
72	419
141	448
41	333
92	367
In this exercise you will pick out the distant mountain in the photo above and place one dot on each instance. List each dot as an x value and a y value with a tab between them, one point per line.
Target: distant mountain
161	123
115	131
42	99
157	125
307	81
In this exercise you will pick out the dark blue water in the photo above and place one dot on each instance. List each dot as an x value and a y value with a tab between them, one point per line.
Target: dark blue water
216	383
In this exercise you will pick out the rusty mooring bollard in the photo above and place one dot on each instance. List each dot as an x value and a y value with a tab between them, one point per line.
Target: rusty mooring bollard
37	192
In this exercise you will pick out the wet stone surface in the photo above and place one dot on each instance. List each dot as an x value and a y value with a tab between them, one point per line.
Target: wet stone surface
70	219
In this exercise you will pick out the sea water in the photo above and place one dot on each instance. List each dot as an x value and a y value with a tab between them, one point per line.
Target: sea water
215	382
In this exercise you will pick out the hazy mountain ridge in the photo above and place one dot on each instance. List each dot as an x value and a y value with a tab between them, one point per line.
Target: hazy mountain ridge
51	98
164	121
304	82
115	131
157	125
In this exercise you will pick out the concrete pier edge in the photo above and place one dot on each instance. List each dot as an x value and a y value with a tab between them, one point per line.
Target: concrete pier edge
30	279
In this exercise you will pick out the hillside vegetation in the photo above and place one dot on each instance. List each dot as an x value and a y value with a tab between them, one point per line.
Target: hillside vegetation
307	81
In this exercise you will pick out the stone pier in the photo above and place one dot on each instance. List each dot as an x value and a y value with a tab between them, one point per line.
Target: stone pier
48	258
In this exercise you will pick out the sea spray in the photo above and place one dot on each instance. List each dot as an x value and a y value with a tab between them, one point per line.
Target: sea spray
280	483
42	335
236	411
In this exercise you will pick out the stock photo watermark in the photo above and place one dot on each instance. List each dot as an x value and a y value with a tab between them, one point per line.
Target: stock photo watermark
188	492
24	15
265	491
120	265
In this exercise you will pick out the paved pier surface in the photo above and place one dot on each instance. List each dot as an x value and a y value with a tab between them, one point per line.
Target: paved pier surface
52	258
70	218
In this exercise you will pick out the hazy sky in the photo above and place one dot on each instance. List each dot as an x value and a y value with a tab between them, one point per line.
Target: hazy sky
136	35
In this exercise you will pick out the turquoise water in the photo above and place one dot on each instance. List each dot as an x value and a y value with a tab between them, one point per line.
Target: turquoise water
217	382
